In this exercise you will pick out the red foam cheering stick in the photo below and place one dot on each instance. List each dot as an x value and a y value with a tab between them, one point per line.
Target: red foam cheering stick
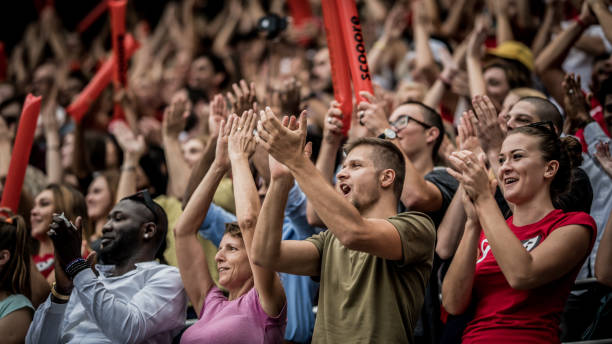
117	17
354	45
341	78
103	77
21	153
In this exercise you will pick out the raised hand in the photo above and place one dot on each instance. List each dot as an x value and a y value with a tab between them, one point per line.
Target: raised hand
372	114
133	146
395	22
284	144
603	156
290	97
241	142
175	115
243	97
66	237
332	128
218	113
221	154
466	134
577	110
472	174
477	39
486	124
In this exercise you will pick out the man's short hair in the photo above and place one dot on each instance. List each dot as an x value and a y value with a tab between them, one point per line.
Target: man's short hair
433	118
385	155
546	111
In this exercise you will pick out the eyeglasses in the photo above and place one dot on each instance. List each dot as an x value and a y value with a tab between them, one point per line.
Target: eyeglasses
402	121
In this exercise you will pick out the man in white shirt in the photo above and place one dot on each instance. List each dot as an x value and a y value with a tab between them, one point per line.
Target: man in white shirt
134	298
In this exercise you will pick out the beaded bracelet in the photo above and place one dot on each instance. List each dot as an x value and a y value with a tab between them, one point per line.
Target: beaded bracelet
76	266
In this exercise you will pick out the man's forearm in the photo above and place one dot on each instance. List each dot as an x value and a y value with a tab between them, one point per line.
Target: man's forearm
337	213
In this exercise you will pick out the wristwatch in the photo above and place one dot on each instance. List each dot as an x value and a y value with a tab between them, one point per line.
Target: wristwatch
388	134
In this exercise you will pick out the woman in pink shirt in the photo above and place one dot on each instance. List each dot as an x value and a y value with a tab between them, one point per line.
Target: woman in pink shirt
255	309
517	272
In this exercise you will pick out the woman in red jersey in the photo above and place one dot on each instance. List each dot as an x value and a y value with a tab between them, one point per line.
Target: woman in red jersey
517	272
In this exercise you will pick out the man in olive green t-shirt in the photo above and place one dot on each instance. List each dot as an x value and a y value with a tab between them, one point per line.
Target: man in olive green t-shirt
372	262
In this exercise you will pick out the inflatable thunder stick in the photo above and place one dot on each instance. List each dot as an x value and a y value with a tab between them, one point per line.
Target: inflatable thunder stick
98	83
355	47
117	17
92	16
21	153
341	78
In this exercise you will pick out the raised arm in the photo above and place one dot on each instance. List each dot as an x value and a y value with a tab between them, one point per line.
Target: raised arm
218	113
133	148
451	228
503	28
173	123
189	253
52	138
295	257
604	16
543	34
548	63
326	162
458	282
375	236
603	270
562	250
473	59
240	146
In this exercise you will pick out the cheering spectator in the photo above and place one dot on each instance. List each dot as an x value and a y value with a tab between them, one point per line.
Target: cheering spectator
255	310
133	299
390	254
503	266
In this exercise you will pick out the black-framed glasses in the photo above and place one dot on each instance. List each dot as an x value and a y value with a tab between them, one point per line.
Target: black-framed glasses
402	121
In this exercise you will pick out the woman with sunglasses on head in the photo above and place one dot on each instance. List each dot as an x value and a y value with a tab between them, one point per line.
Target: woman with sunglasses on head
15	291
517	273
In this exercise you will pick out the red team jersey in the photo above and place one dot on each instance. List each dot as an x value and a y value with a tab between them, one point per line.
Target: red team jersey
506	315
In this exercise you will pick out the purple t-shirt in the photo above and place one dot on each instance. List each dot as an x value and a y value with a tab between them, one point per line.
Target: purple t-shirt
238	321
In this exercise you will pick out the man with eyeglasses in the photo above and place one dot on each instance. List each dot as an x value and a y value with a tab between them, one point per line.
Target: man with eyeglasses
133	299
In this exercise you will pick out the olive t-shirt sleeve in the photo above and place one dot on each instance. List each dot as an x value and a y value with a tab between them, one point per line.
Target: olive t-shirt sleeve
319	241
418	236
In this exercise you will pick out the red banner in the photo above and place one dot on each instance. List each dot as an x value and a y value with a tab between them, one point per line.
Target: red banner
21	153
